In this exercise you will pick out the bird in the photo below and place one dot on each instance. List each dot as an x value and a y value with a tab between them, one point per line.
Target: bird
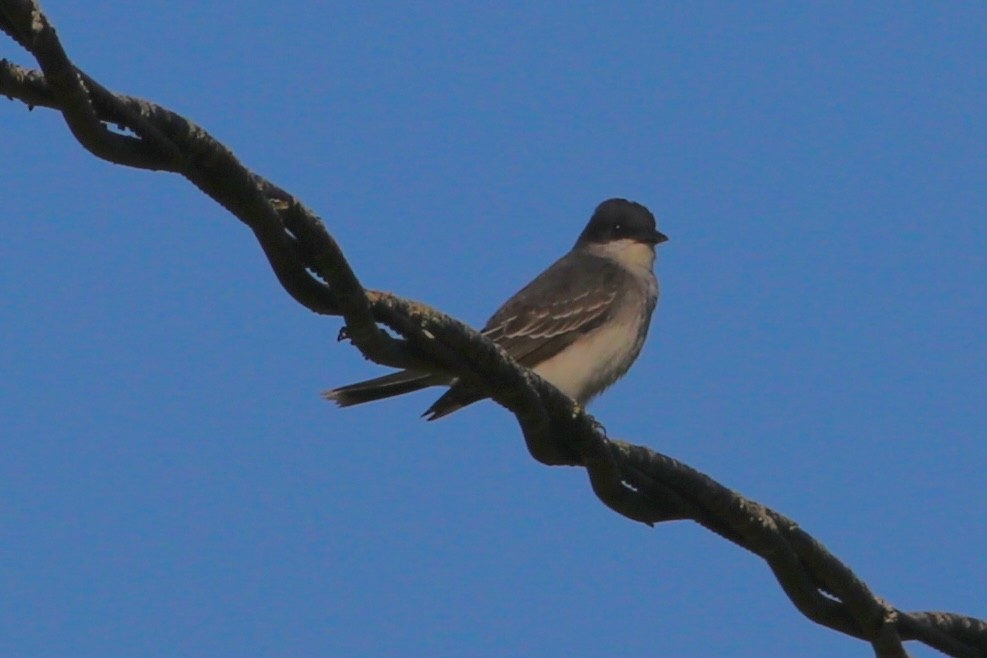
580	324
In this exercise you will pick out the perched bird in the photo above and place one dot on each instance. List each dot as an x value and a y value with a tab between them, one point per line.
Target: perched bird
580	324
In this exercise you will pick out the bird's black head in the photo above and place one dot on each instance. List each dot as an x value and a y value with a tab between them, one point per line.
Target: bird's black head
620	219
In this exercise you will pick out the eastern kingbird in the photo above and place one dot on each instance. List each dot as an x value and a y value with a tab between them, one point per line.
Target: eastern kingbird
580	324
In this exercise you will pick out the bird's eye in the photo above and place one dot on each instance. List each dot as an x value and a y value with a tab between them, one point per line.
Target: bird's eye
618	228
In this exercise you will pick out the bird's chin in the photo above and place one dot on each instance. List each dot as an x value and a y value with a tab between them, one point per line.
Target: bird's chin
632	254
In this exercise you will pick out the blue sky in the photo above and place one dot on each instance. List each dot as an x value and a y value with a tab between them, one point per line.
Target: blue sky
173	485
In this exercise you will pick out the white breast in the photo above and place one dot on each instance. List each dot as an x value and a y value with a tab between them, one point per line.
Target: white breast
587	367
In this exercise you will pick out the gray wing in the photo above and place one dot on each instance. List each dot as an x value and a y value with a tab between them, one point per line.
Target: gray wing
572	297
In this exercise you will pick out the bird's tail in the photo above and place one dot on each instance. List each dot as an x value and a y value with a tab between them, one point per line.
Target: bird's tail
379	388
452	400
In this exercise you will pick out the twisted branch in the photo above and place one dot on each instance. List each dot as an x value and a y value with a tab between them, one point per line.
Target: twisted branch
632	480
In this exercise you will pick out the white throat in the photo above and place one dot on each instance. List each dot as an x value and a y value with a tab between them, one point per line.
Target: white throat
630	254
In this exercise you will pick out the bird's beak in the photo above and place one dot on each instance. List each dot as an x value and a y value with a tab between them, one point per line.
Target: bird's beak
657	237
